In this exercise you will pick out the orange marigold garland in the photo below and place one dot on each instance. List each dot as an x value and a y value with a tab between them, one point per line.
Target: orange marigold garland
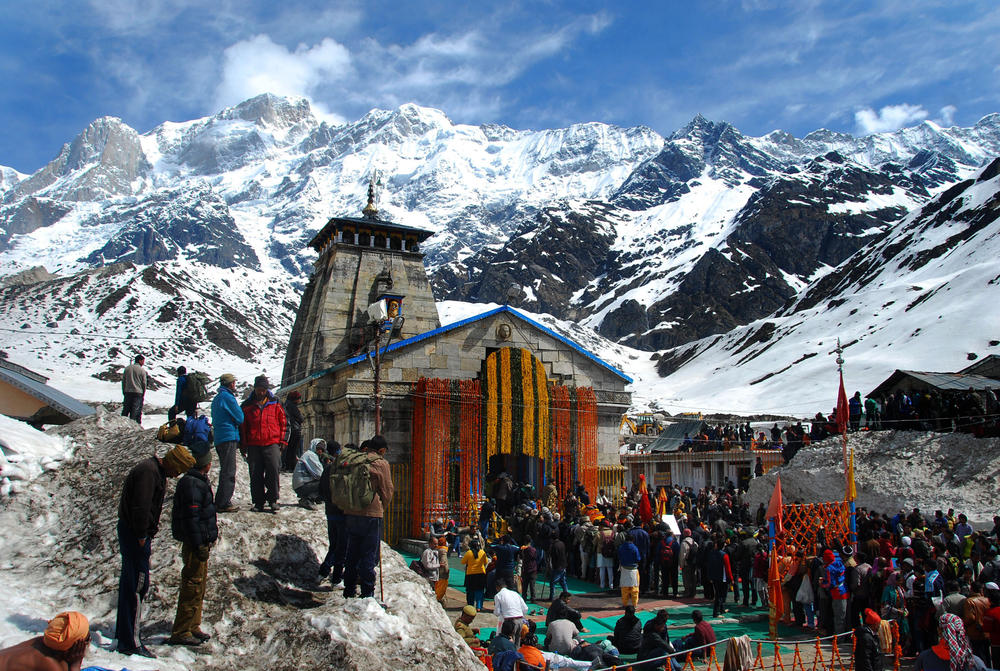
542	403
586	402
506	405
471	453
561	437
492	406
528	431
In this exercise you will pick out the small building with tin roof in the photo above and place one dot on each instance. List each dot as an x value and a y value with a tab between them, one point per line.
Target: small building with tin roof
26	395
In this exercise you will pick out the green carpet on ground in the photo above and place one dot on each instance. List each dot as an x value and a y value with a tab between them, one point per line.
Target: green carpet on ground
599	628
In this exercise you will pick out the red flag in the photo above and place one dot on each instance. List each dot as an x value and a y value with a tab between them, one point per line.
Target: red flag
774	595
645	509
843	410
774	507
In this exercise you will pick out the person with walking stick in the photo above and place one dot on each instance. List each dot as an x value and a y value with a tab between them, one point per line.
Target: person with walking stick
364	524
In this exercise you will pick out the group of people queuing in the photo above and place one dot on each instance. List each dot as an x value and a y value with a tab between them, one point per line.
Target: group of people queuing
267	433
975	411
909	568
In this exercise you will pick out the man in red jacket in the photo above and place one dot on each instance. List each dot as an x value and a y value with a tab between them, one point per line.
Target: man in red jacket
263	435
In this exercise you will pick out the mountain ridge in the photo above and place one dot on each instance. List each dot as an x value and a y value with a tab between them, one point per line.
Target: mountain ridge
654	242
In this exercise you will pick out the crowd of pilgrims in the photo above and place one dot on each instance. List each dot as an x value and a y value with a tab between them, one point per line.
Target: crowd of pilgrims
966	411
909	568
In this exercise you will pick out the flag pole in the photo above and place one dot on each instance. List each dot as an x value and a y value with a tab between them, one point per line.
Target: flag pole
842	421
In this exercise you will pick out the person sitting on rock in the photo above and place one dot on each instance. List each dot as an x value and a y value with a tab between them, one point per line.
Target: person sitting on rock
463	626
307	473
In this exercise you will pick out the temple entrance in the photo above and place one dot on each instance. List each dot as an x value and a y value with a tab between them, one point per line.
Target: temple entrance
510	419
520	467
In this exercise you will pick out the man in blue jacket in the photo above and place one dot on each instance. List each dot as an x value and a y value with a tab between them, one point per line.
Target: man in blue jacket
227	415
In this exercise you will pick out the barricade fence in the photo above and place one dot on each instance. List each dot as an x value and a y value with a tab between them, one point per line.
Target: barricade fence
766	656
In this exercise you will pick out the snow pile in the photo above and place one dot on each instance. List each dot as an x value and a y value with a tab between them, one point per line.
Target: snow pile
263	605
26	453
893	470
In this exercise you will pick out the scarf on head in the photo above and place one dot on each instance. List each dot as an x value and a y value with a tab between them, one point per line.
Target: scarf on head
953	634
929	581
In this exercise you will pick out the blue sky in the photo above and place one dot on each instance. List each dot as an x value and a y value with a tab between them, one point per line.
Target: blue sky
858	67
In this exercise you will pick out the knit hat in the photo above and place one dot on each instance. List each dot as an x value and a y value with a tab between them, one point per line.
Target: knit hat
469	610
828	557
65	629
226	379
201	458
179	459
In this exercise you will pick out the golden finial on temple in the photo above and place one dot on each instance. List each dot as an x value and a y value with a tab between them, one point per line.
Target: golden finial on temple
370	211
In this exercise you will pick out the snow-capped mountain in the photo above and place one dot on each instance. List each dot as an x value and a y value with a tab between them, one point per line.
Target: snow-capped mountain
189	241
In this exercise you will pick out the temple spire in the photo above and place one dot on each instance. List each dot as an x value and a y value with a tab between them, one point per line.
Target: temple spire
370	211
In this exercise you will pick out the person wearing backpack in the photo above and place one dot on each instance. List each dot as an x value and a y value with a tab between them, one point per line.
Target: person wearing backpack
688	561
182	400
364	524
263	434
606	556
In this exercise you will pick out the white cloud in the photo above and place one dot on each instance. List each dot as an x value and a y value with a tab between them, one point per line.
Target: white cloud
887	119
258	65
947	115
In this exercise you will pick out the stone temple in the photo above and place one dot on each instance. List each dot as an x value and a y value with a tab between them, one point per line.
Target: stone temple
458	403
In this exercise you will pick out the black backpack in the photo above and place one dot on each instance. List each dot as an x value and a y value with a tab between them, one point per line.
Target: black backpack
608	547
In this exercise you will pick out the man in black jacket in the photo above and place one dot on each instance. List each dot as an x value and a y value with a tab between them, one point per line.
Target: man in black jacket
138	521
867	652
336	532
655	641
194	524
628	632
561	610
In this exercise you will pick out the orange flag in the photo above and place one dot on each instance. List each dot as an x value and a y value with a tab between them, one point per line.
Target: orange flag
774	594
774	507
645	509
843	410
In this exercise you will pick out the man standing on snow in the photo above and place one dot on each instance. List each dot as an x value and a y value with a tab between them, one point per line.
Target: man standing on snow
294	450
194	524
364	527
138	521
226	419
134	382
263	435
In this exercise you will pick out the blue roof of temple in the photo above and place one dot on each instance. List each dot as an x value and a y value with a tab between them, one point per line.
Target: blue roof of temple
450	327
